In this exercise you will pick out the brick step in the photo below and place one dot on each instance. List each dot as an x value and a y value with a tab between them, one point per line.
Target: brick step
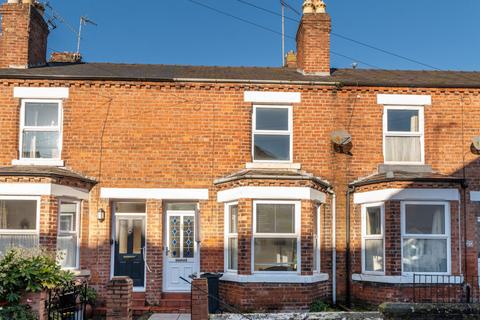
138	302
181	303
176	295
138	295
157	309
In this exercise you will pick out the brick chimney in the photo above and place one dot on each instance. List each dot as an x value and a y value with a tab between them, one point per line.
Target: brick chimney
313	39
23	40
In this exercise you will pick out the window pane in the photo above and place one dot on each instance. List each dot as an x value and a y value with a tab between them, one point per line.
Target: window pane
18	214
233	219
137	236
67	251
8	241
403	120
40	144
275	254
424	255
275	218
123	236
174	244
189	206
130	207
374	221
271	147
41	114
68	212
272	119
232	253
188	237
373	255
424	219
403	149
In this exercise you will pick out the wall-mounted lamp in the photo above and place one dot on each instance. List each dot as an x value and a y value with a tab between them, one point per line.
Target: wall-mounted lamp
100	215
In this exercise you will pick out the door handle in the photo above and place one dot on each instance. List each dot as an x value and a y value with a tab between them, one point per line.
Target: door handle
167	251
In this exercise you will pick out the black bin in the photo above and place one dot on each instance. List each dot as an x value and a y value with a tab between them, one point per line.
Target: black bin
213	297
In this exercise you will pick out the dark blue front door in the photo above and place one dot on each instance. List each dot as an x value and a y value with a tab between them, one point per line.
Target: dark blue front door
130	248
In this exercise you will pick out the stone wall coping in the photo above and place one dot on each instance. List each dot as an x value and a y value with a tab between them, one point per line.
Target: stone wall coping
302	316
274	278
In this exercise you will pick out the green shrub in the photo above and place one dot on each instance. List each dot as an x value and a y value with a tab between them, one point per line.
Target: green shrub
320	306
89	296
17	312
33	270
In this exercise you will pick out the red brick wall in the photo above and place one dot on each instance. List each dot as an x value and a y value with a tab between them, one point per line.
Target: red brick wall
23	41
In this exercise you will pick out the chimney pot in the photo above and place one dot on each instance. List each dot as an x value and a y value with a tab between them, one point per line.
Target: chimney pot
65	57
291	60
308	6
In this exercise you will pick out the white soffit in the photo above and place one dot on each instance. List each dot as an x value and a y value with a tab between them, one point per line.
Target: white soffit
42	189
271	193
406	194
474	196
154	193
404	99
272	97
40	93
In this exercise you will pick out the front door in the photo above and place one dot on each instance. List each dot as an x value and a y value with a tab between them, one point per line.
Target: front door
129	249
180	250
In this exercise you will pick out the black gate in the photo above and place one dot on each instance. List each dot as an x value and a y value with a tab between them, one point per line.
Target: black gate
67	303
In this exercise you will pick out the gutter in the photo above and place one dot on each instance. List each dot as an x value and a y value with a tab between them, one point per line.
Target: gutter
276	177
334	245
47	175
426	179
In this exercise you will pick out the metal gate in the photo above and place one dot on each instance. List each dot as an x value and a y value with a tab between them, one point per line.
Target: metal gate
67	303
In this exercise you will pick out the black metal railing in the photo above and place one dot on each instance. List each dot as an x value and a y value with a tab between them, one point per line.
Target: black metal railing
445	289
67	303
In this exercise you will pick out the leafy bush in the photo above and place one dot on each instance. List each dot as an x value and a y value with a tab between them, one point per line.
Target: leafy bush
33	270
89	296
320	306
18	312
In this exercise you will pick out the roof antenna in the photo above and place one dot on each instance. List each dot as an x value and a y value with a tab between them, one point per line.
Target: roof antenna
285	5
83	22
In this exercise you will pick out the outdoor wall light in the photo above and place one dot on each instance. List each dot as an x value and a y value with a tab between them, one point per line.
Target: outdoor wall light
100	215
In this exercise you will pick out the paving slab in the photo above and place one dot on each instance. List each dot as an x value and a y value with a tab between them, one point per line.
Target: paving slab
170	316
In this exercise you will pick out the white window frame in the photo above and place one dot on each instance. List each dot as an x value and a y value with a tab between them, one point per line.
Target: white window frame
288	132
58	129
229	235
76	233
37	218
420	133
373	237
318	241
296	235
446	236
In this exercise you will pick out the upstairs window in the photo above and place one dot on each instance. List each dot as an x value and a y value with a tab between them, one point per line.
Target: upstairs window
272	133
40	129
403	135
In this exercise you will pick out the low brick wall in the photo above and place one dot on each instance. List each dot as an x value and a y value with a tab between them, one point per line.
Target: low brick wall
429	311
119	298
199	299
37	302
303	316
265	297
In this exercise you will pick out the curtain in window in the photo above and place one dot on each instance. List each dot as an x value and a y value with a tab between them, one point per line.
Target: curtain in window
3	215
403	149
8	241
425	255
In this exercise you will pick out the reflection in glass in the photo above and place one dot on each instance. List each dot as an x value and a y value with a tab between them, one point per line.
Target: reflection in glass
272	147
273	254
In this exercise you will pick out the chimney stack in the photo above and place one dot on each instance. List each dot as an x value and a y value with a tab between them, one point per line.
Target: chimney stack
23	41
313	39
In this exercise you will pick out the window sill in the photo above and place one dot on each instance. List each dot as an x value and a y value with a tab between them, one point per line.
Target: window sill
406	279
79	273
275	278
38	162
272	165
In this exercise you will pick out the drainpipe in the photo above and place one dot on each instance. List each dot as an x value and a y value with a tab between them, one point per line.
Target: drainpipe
334	246
347	249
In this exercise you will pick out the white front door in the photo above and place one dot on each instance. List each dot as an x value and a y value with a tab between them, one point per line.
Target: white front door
180	254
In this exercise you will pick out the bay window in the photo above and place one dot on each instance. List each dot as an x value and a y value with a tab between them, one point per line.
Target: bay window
426	237
373	239
272	133
403	129
316	241
67	239
40	129
276	236
19	222
231	237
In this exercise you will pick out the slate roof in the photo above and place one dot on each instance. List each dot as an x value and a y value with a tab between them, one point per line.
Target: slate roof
278	174
406	176
44	171
145	72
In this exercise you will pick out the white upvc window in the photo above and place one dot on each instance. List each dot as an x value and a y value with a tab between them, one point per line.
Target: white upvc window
19	222
272	138
276	236
231	237
316	241
68	234
403	135
40	130
425	237
373	238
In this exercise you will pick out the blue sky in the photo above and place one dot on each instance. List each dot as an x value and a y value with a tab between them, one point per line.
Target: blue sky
440	33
